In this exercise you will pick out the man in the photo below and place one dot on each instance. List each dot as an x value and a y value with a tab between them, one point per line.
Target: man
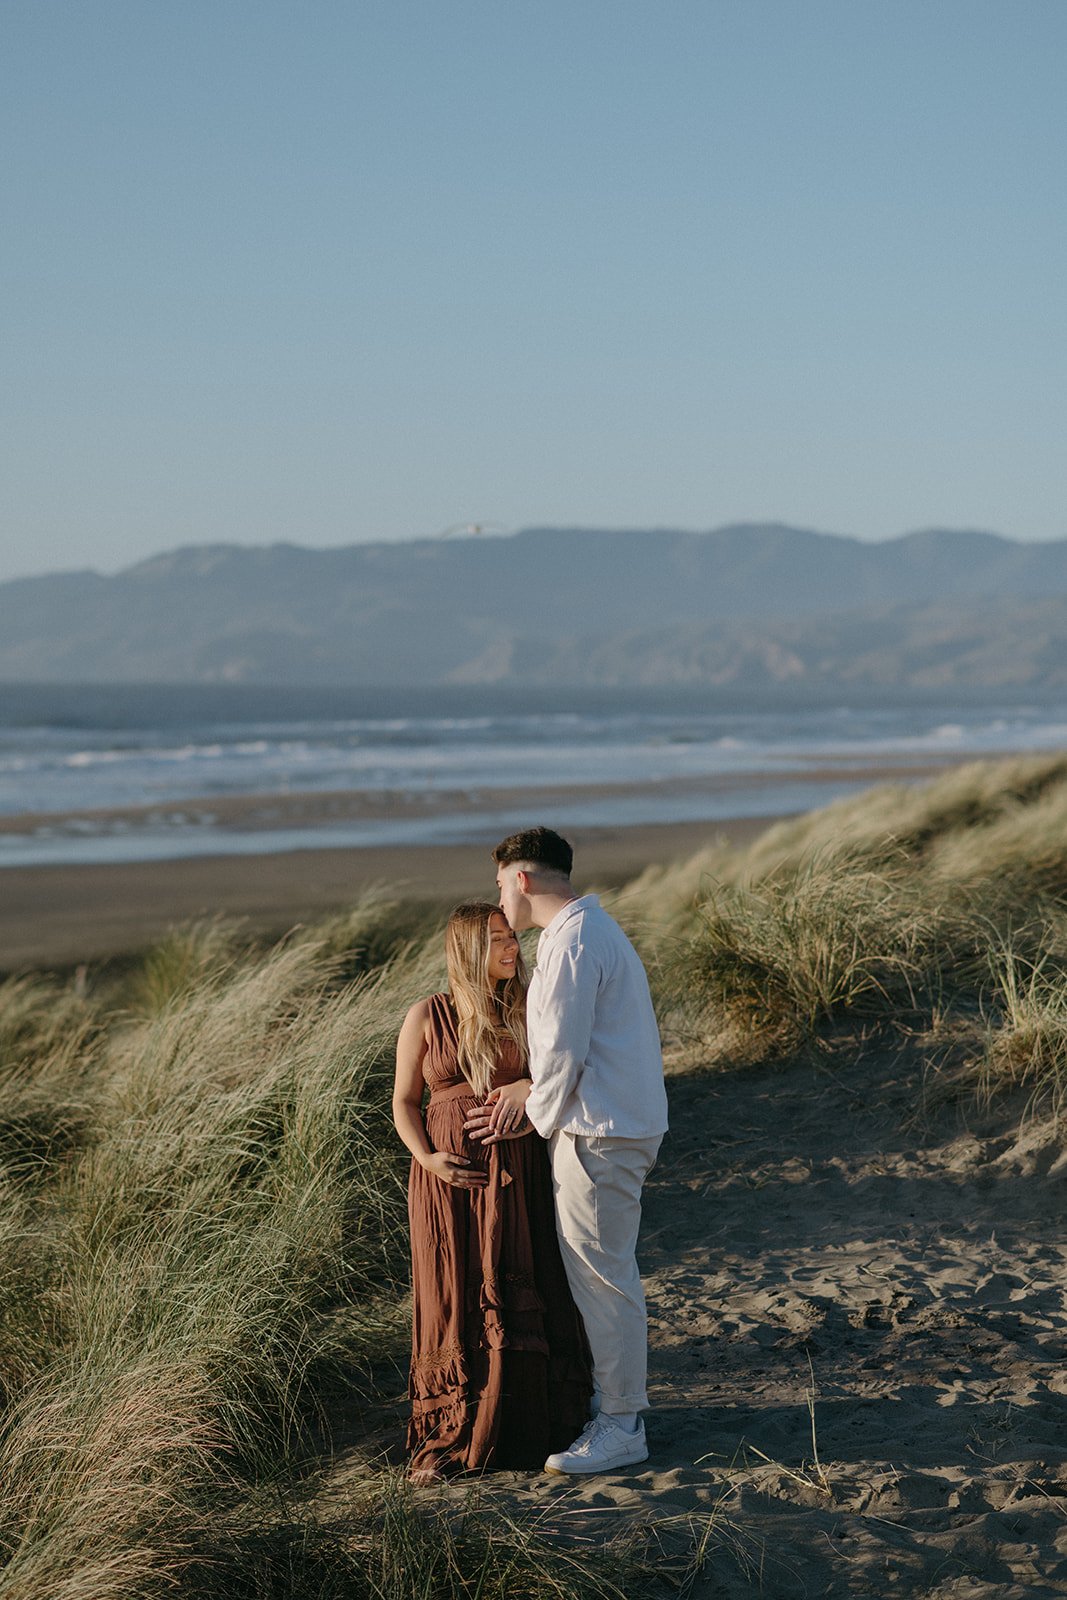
598	1097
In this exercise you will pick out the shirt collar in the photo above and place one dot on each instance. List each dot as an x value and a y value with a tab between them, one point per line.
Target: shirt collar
584	902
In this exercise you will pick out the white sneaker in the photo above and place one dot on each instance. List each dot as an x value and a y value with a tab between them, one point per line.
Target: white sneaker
601	1447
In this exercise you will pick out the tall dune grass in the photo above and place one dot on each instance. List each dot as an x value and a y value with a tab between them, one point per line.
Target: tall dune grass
202	1240
787	956
235	1182
1026	1040
887	907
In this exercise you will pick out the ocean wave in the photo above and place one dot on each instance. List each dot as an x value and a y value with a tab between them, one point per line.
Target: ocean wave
53	769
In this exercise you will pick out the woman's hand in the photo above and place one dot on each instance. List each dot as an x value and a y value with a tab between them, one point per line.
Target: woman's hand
454	1170
503	1116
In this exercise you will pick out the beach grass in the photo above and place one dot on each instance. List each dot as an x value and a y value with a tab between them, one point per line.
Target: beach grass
203	1252
897	905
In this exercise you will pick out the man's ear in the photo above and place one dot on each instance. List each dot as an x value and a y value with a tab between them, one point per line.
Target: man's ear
523	881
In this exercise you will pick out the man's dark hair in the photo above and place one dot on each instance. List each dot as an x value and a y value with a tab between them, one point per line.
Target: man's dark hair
540	847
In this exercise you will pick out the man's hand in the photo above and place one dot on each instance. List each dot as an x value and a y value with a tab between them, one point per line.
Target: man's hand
456	1171
503	1116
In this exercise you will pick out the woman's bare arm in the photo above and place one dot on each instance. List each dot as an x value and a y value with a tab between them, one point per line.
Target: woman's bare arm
411	1048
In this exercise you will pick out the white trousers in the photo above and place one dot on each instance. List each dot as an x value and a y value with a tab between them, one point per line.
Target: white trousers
597	1185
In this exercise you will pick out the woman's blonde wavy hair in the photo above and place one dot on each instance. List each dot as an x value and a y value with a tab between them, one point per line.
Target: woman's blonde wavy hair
485	1011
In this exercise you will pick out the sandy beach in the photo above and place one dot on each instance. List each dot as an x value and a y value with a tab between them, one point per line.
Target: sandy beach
325	808
58	916
61	916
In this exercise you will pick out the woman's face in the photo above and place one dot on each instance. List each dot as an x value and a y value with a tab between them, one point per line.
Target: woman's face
503	949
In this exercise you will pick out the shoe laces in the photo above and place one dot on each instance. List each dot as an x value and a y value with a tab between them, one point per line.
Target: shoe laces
594	1430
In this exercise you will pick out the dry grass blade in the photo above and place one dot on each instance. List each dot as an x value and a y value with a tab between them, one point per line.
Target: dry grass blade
1027	1042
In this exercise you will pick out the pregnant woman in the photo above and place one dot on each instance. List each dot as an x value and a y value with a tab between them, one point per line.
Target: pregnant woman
500	1371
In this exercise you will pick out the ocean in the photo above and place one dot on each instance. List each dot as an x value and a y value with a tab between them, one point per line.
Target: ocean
101	774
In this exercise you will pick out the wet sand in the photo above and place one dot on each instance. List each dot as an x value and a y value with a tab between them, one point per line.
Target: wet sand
319	809
60	916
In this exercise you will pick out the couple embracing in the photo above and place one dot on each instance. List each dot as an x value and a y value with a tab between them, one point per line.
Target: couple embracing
546	1110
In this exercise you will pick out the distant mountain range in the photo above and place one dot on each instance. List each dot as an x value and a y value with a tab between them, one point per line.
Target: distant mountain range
763	609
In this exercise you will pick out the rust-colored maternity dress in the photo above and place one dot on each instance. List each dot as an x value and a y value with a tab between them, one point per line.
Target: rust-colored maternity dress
500	1373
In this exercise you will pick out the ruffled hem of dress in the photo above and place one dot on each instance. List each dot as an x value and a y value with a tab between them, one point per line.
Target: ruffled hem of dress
431	1379
440	1432
452	1405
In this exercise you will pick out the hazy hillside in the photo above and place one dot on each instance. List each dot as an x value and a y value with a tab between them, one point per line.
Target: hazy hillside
746	606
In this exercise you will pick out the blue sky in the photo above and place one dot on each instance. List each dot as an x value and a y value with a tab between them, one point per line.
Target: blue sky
330	272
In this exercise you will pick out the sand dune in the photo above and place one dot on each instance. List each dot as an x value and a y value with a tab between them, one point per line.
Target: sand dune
801	1215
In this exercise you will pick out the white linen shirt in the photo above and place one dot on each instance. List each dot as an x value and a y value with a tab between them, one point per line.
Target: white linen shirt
595	1056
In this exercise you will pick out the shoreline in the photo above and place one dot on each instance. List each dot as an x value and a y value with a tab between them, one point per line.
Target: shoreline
273	810
314	821
62	916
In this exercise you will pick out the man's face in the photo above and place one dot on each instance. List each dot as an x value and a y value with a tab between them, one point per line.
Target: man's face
513	902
